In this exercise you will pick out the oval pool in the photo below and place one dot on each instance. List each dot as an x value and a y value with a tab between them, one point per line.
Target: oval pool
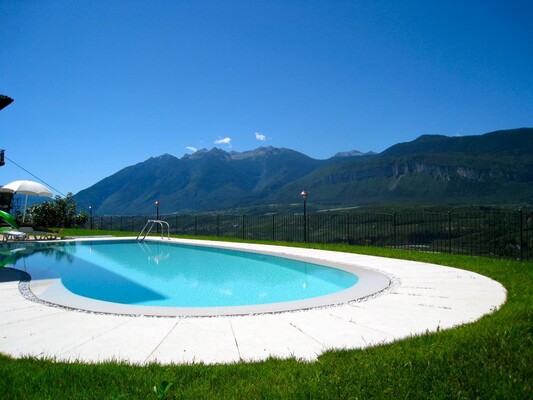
167	278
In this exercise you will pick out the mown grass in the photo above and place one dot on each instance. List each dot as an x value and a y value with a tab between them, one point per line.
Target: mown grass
489	359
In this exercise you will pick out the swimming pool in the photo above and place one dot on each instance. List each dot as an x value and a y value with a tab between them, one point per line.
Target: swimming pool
167	278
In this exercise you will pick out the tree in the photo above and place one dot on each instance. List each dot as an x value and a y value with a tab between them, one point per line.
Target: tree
59	213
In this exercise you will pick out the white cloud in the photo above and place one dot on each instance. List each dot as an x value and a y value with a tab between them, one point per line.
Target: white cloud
226	140
193	149
260	136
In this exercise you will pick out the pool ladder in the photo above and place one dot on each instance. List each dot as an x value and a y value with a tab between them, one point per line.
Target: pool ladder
150	224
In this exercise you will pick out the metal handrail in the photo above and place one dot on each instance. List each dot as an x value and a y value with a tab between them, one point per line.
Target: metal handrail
152	222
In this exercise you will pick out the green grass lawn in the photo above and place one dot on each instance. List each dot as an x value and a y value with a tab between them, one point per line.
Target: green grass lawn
489	359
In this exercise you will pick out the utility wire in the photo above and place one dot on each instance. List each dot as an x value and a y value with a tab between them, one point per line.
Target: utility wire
35	176
39	179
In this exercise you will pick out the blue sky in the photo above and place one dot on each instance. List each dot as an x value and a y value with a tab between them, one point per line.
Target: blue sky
101	85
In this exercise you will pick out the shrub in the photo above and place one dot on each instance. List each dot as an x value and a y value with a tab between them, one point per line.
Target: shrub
60	212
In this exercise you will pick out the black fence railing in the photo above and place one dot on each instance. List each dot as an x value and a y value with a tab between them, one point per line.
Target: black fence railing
502	234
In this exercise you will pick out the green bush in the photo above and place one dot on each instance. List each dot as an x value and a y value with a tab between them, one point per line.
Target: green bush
60	212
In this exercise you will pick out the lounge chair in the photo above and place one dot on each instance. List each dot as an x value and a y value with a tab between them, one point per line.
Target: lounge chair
39	235
12	234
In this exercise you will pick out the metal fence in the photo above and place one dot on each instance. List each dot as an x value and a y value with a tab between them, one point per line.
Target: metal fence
502	234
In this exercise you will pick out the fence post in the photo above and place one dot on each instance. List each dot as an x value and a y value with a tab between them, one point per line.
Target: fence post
347	228
195	226
521	224
394	228
243	226
273	228
450	232
218	225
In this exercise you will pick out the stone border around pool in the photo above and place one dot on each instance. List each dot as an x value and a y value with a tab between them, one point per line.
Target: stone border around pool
423	298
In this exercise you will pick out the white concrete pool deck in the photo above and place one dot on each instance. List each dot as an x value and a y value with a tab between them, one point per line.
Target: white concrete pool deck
423	298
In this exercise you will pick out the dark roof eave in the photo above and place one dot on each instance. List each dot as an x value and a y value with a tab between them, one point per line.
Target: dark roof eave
5	101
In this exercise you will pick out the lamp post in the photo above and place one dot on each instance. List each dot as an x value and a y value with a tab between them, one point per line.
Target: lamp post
303	195
157	213
91	217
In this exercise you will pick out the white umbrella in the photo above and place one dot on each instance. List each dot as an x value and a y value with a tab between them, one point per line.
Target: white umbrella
29	188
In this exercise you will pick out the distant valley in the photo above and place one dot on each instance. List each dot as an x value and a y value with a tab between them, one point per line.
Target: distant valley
494	168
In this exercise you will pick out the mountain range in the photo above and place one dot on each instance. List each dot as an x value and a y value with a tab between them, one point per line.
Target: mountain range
494	168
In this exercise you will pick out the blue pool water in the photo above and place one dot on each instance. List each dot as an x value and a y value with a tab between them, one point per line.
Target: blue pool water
176	275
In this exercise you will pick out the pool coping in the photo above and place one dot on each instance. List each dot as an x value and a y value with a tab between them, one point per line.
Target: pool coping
423	298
